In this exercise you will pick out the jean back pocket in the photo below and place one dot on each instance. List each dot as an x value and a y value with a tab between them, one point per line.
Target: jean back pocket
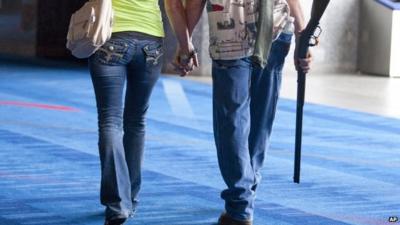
113	53
153	52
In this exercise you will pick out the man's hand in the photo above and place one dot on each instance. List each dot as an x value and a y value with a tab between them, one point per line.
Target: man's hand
302	64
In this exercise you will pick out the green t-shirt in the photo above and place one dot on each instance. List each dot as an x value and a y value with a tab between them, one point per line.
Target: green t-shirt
138	15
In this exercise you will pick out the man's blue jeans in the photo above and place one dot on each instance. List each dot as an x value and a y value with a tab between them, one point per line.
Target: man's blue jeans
133	60
244	104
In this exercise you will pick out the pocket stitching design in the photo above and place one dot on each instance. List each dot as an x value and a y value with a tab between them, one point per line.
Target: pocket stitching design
153	54
114	55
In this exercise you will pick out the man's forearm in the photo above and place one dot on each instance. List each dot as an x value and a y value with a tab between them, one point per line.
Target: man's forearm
297	12
194	10
177	18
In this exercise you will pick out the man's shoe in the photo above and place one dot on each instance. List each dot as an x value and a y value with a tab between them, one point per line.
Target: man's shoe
225	219
118	221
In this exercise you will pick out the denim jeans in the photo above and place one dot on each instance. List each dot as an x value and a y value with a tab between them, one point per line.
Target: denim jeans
244	104
131	60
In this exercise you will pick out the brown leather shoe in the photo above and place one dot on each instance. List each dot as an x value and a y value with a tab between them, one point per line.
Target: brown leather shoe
225	219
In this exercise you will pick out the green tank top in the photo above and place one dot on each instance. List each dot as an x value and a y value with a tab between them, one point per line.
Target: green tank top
138	15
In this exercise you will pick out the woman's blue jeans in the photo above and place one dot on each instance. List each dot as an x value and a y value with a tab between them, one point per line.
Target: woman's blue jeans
128	60
244	104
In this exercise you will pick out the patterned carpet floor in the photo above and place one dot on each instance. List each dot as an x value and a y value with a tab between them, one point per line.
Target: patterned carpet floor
49	166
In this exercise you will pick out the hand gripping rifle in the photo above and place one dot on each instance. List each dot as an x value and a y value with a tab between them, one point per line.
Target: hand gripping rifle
308	38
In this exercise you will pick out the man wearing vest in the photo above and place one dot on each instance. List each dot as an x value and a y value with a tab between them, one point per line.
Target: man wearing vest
249	40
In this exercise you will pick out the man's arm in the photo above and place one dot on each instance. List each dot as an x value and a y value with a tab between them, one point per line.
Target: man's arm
194	10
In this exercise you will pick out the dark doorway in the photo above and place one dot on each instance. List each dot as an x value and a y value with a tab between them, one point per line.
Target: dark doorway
53	21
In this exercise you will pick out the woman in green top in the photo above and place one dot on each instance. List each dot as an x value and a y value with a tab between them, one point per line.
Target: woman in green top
131	58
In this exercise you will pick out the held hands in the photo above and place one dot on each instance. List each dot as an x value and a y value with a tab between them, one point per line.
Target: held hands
185	60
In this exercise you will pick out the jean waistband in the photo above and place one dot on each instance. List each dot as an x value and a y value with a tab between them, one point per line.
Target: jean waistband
137	35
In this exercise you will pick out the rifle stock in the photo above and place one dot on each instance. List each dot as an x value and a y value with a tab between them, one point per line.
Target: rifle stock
319	7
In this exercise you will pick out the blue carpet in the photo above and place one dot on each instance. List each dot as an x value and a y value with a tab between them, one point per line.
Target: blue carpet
49	166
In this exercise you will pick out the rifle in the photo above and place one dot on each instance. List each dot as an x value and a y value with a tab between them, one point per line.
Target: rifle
308	38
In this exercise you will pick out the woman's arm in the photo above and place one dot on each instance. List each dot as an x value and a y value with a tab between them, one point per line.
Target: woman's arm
183	21
177	18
